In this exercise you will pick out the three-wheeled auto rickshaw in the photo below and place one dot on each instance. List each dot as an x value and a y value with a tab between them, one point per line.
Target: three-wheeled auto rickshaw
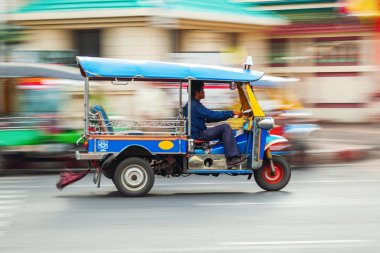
131	153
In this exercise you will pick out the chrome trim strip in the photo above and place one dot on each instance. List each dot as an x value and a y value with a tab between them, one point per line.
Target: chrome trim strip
89	156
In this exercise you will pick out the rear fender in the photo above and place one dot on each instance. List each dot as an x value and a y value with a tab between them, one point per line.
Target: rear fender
132	151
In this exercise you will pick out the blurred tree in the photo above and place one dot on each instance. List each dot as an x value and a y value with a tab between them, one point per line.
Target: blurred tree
9	35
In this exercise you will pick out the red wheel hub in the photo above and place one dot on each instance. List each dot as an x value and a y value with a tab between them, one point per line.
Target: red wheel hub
273	178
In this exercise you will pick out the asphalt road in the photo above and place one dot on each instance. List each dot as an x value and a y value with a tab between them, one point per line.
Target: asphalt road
332	208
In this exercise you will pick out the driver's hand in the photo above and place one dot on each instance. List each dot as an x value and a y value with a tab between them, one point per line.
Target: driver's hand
238	114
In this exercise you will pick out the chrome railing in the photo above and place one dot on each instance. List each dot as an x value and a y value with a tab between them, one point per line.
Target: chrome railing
168	126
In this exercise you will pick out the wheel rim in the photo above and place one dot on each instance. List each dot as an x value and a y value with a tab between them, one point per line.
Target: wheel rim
134	177
273	178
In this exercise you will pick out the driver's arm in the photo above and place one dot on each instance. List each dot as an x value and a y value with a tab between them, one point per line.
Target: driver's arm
213	116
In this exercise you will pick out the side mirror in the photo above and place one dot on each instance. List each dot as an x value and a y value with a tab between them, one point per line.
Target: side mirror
233	86
267	123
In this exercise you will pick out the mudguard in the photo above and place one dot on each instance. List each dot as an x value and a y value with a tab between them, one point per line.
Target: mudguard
274	139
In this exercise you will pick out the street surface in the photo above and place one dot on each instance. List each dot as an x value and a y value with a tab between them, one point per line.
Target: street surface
330	208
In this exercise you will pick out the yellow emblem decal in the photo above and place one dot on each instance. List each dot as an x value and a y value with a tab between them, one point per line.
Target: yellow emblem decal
166	145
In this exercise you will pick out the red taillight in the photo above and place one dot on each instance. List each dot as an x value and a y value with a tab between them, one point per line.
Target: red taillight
85	144
277	130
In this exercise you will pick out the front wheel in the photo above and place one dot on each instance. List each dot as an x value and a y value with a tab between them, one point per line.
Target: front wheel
134	177
273	181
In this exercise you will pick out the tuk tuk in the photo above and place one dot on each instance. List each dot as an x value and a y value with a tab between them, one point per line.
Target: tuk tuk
131	153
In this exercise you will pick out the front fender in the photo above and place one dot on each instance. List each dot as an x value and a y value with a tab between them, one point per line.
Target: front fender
274	139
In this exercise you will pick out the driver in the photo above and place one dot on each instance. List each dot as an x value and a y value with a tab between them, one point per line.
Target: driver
200	115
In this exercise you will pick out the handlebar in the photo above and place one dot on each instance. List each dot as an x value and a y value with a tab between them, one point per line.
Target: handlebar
247	112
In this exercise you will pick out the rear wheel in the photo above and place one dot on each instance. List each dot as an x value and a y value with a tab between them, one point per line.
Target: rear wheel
273	181
134	177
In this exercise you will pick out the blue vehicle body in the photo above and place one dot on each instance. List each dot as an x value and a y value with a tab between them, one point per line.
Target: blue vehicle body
108	145
132	156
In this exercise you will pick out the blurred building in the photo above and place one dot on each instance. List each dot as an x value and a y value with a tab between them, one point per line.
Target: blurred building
332	51
315	40
195	31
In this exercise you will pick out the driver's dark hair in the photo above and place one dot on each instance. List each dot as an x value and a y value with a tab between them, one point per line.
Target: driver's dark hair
196	85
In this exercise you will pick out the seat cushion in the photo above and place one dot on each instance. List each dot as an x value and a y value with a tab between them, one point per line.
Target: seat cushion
102	119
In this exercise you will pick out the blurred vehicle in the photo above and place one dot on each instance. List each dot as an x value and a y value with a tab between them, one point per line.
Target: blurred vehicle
32	127
293	121
131	152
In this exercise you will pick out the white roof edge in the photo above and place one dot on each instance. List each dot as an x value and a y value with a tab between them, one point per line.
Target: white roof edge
178	14
219	17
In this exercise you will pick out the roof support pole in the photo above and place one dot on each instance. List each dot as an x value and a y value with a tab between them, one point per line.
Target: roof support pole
86	104
180	100
189	108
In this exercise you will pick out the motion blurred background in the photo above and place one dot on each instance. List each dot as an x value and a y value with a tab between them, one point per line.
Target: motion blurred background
325	51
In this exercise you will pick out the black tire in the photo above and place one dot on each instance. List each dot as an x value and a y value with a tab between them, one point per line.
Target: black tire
279	180
134	177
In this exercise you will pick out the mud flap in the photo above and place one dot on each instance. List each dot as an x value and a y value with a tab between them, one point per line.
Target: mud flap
99	170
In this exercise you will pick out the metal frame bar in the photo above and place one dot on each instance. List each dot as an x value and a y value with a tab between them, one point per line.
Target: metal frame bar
162	126
189	108
180	101
89	156
86	104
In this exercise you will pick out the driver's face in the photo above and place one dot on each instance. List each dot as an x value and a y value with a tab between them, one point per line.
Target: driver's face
202	94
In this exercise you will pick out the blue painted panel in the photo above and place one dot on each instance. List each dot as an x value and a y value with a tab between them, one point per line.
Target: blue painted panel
183	148
241	141
263	142
91	145
249	149
96	145
199	151
286	152
217	149
274	138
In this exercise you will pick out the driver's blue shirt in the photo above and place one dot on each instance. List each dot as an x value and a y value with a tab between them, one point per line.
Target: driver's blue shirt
200	115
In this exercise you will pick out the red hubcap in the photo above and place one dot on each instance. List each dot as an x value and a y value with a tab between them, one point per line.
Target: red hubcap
273	178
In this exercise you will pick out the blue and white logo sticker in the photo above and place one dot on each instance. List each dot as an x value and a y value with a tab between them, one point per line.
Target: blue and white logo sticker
102	145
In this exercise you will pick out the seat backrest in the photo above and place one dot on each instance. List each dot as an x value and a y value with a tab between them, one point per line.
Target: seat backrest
102	119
